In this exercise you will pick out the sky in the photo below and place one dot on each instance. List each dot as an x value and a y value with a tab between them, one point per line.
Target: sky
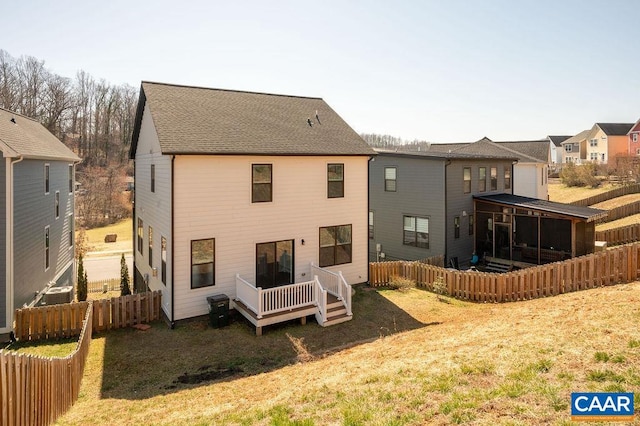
438	71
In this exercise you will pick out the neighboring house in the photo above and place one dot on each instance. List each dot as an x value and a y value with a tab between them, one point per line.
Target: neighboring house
530	173
571	148
37	206
236	191
421	203
634	139
605	142
556	151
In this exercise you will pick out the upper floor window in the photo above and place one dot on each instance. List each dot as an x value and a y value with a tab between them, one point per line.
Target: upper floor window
202	263
335	245
482	179
466	177
70	178
335	180
153	178
568	147
593	142
494	178
140	235
390	174
507	177
634	137
46	178
416	231
261	183
70	230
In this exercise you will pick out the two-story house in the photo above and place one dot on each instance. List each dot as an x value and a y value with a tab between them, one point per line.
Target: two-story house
421	203
556	151
571	148
605	142
240	193
37	210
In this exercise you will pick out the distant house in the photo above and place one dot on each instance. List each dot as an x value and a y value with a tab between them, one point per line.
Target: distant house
556	150
571	148
36	206
605	142
248	195
634	139
421	203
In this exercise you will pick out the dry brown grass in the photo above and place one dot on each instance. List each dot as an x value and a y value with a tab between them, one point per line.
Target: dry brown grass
629	220
563	194
617	202
124	230
406	358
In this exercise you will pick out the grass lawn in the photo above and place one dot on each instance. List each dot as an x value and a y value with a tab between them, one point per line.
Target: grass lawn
405	359
617	202
563	194
95	237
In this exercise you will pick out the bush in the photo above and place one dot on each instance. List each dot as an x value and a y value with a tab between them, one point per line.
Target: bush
82	281
401	283
583	175
440	288
125	289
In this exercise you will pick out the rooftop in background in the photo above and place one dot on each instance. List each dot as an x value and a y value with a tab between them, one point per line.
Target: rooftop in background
557	140
577	138
615	129
446	155
197	120
22	136
587	213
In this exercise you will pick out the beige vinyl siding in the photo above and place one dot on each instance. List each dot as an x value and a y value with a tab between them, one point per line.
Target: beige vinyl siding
213	200
154	208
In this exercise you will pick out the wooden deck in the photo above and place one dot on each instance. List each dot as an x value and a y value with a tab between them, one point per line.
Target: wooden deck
335	311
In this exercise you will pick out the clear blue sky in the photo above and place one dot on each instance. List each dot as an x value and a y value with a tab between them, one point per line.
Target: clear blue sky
440	71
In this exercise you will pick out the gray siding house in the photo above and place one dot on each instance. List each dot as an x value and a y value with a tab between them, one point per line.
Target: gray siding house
421	203
36	206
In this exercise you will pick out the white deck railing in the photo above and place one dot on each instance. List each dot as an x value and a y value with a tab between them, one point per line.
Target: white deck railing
277	299
335	284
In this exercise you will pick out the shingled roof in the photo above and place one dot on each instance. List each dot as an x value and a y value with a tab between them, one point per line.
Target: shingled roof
557	140
486	146
196	120
577	138
444	155
22	136
615	129
538	149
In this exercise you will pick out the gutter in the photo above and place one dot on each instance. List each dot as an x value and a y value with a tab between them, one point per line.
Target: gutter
446	208
172	320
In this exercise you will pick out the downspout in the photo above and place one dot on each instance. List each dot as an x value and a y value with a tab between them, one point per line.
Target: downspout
446	225
9	242
173	285
368	210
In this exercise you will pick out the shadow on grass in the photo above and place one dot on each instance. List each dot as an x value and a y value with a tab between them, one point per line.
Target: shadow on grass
143	364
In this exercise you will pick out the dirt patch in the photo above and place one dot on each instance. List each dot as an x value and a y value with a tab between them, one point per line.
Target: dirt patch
206	373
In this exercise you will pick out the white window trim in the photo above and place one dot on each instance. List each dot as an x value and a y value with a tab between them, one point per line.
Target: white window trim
47	251
47	178
56	204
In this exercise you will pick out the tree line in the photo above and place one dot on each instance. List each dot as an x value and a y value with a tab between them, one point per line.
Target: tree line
93	118
394	143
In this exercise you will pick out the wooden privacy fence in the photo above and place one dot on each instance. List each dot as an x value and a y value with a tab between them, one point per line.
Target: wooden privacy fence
618	265
621	211
621	235
36	390
65	320
614	193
